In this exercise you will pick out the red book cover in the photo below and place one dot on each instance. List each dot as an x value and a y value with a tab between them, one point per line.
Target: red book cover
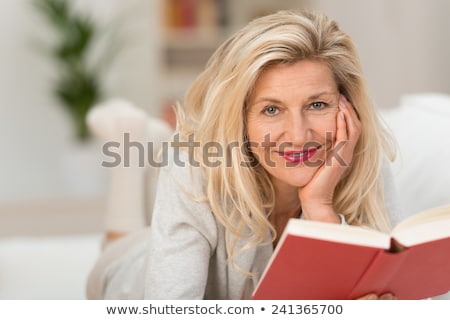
418	272
307	267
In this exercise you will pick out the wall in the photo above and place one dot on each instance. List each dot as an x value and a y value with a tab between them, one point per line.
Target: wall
35	132
404	47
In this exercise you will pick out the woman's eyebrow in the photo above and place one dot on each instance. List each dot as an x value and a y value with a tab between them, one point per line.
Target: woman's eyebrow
267	99
312	97
321	94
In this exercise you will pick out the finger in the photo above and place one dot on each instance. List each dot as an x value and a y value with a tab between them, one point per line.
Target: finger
342	150
352	120
347	134
346	107
387	296
343	102
341	127
370	296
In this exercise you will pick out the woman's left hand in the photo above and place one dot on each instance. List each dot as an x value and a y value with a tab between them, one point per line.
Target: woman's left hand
317	196
373	296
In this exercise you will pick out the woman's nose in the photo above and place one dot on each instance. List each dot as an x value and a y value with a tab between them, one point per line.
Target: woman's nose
297	129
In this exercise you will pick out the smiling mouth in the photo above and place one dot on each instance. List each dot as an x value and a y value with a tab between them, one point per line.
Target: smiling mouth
299	156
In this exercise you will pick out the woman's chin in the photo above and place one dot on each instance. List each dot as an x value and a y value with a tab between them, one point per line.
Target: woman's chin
298	179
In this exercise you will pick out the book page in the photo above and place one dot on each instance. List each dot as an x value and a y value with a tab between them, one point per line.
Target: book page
429	225
338	233
427	215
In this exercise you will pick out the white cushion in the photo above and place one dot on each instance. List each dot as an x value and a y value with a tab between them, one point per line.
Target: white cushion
421	125
50	267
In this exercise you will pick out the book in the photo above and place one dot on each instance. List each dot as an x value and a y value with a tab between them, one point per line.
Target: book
323	261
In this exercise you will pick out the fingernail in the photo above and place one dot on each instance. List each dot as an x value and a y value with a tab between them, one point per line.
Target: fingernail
372	297
342	101
387	296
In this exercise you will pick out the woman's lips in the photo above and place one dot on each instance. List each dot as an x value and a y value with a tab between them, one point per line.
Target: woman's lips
298	156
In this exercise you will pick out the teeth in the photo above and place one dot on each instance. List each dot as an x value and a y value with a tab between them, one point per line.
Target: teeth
299	154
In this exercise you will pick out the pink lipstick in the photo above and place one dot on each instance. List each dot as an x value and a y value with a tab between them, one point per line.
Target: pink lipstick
298	156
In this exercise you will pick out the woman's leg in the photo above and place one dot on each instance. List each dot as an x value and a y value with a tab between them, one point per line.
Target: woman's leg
119	271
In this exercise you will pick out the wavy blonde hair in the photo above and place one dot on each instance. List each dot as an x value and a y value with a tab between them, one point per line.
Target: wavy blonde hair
241	196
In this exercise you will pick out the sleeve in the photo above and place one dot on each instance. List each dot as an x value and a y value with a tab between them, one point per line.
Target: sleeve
183	235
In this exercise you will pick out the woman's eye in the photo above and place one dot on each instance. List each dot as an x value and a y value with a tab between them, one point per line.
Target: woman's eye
318	105
271	110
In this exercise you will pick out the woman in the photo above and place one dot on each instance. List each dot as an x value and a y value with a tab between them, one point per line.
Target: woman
278	126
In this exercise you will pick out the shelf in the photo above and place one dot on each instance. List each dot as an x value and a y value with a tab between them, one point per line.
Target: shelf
190	50
188	14
193	29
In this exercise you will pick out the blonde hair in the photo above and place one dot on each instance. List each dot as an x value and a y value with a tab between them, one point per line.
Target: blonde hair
241	196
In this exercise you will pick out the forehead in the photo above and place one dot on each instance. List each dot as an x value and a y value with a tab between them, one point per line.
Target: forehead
304	75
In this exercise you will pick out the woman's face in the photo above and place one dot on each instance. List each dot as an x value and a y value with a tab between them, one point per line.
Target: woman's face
291	121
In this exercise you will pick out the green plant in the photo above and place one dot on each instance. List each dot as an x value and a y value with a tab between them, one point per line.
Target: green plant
78	84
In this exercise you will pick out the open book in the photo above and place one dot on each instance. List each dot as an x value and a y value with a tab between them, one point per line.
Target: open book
316	260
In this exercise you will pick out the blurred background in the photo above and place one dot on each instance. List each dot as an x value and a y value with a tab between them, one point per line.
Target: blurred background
403	45
148	52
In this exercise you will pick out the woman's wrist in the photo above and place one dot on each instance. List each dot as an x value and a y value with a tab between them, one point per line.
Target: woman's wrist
324	214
